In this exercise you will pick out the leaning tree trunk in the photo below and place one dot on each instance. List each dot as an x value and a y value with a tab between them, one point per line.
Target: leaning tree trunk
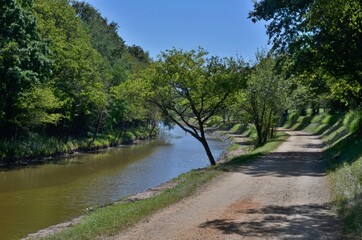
208	151
204	143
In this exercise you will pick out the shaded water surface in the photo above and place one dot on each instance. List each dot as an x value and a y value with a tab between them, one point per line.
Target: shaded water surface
35	197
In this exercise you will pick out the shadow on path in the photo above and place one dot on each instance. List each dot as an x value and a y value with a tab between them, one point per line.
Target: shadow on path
311	221
282	164
302	158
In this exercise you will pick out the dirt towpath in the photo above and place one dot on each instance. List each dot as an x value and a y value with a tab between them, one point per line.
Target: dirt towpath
283	195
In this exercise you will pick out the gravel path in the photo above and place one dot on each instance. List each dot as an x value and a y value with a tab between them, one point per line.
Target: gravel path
283	195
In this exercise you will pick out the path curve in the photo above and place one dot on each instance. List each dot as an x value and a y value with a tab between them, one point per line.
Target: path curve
282	195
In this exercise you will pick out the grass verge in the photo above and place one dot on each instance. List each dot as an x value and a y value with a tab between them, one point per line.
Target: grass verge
345	163
249	156
115	218
112	219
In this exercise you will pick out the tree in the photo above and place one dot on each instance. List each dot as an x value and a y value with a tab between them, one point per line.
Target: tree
321	37
129	105
103	35
38	107
79	71
119	62
23	61
189	88
265	98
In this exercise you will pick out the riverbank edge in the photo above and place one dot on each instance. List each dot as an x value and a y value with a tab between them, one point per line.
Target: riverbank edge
225	158
69	153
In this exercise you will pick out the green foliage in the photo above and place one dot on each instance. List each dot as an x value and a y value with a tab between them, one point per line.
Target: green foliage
353	120
316	124
265	98
215	121
38	108
188	88
321	38
72	99
103	35
348	195
23	61
236	128
35	145
344	158
77	65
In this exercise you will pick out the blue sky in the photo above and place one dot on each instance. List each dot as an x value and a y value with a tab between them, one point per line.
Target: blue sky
219	26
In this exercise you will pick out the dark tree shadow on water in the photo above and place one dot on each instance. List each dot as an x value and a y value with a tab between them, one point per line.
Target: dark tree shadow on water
311	221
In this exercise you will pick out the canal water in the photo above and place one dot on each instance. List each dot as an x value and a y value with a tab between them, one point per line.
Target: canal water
36	197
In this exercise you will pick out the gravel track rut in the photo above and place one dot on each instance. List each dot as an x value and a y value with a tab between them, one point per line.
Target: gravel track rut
282	195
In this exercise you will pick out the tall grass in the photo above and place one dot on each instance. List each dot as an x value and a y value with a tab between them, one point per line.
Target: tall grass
344	159
36	146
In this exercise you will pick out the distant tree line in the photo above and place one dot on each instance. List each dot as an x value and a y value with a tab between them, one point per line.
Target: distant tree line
61	63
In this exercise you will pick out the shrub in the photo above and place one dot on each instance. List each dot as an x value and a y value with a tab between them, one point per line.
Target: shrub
353	120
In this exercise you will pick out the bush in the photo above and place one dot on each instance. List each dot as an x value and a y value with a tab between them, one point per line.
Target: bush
293	118
215	121
353	120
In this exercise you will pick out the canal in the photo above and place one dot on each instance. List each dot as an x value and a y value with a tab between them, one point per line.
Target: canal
35	197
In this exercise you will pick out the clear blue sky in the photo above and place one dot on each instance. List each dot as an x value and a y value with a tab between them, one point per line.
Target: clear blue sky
219	26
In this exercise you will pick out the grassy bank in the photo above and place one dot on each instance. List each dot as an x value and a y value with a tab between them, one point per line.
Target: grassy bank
35	146
117	217
342	135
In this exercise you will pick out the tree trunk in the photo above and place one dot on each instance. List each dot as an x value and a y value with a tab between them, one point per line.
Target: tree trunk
125	127
272	131
153	127
15	137
208	151
98	123
268	128
69	131
315	107
71	123
259	131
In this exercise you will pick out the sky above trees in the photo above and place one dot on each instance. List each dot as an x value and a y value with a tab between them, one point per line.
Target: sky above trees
221	27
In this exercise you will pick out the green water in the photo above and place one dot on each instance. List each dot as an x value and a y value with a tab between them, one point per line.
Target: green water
36	197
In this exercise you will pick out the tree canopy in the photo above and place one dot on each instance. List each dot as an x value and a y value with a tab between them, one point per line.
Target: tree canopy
24	62
319	37
58	64
189	88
